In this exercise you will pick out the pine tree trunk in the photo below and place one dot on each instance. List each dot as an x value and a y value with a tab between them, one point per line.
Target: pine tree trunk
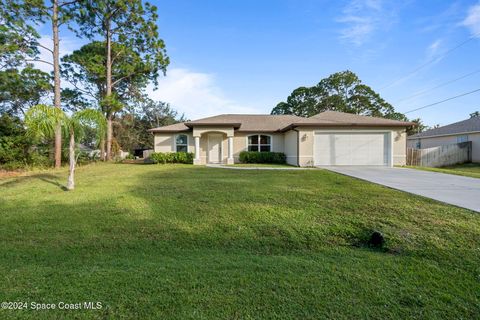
71	174
56	81
108	92
102	149
109	137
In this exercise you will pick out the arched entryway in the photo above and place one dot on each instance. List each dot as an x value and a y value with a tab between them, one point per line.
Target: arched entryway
213	145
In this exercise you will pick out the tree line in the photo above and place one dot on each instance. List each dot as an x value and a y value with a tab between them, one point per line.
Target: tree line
107	76
345	92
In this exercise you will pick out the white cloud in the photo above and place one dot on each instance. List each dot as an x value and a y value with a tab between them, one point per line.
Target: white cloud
361	19
358	30
472	21
434	48
196	94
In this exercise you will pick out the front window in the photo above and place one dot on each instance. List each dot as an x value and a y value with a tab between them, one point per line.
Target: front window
181	143
463	138
259	142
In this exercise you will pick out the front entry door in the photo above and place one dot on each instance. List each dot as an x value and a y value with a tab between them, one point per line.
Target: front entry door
215	148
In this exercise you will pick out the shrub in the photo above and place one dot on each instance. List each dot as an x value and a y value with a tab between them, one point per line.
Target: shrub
40	159
172	157
17	151
262	157
12	165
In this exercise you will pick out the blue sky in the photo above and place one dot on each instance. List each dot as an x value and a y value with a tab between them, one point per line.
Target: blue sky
246	56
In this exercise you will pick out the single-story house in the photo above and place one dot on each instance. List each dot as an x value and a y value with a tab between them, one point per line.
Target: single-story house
328	138
462	131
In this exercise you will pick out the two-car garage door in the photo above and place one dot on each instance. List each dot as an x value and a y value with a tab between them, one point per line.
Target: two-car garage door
352	148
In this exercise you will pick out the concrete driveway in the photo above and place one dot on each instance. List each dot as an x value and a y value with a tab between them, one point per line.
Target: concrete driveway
452	189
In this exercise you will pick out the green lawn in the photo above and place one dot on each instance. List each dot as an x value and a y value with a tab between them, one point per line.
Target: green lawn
261	165
466	169
184	242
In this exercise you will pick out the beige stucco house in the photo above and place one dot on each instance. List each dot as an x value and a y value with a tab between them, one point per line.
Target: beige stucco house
462	131
329	138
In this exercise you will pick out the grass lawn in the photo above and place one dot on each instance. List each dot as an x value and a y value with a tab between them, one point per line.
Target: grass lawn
466	169
184	242
261	165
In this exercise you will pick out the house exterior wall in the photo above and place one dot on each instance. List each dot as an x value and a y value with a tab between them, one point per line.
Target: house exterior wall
306	138
282	142
412	143
291	146
240	142
165	142
399	147
429	142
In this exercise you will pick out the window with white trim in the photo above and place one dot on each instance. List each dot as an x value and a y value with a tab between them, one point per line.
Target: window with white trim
181	143
463	138
259	142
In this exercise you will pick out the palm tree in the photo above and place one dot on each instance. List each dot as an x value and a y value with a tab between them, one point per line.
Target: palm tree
42	120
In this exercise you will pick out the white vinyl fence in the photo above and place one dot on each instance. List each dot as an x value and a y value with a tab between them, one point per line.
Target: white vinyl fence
440	156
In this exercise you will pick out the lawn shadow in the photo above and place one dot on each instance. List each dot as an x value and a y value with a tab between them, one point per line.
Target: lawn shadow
53	182
45	177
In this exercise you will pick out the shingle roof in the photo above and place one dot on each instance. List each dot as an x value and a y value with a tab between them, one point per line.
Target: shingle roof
177	127
465	126
271	123
243	122
335	118
249	122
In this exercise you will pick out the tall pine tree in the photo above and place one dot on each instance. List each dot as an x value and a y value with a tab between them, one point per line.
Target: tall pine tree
129	24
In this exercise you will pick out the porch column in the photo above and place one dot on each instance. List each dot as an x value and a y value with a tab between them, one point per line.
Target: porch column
197	160
230	150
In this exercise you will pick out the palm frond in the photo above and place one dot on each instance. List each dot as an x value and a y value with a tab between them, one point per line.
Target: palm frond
89	117
42	120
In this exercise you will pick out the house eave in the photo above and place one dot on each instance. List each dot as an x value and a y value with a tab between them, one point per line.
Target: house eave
324	125
167	131
235	125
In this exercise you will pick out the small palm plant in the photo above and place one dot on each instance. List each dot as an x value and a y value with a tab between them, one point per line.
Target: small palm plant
41	121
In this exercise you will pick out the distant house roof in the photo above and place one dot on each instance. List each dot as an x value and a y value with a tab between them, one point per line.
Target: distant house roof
461	127
272	123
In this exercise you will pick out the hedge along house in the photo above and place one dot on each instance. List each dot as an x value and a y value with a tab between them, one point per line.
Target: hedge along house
327	139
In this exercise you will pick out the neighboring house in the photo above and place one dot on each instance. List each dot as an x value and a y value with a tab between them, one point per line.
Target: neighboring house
466	130
329	138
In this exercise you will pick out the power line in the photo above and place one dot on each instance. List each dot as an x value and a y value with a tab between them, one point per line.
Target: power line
438	86
461	44
442	101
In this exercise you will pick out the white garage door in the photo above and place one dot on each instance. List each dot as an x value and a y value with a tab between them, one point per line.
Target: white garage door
354	149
